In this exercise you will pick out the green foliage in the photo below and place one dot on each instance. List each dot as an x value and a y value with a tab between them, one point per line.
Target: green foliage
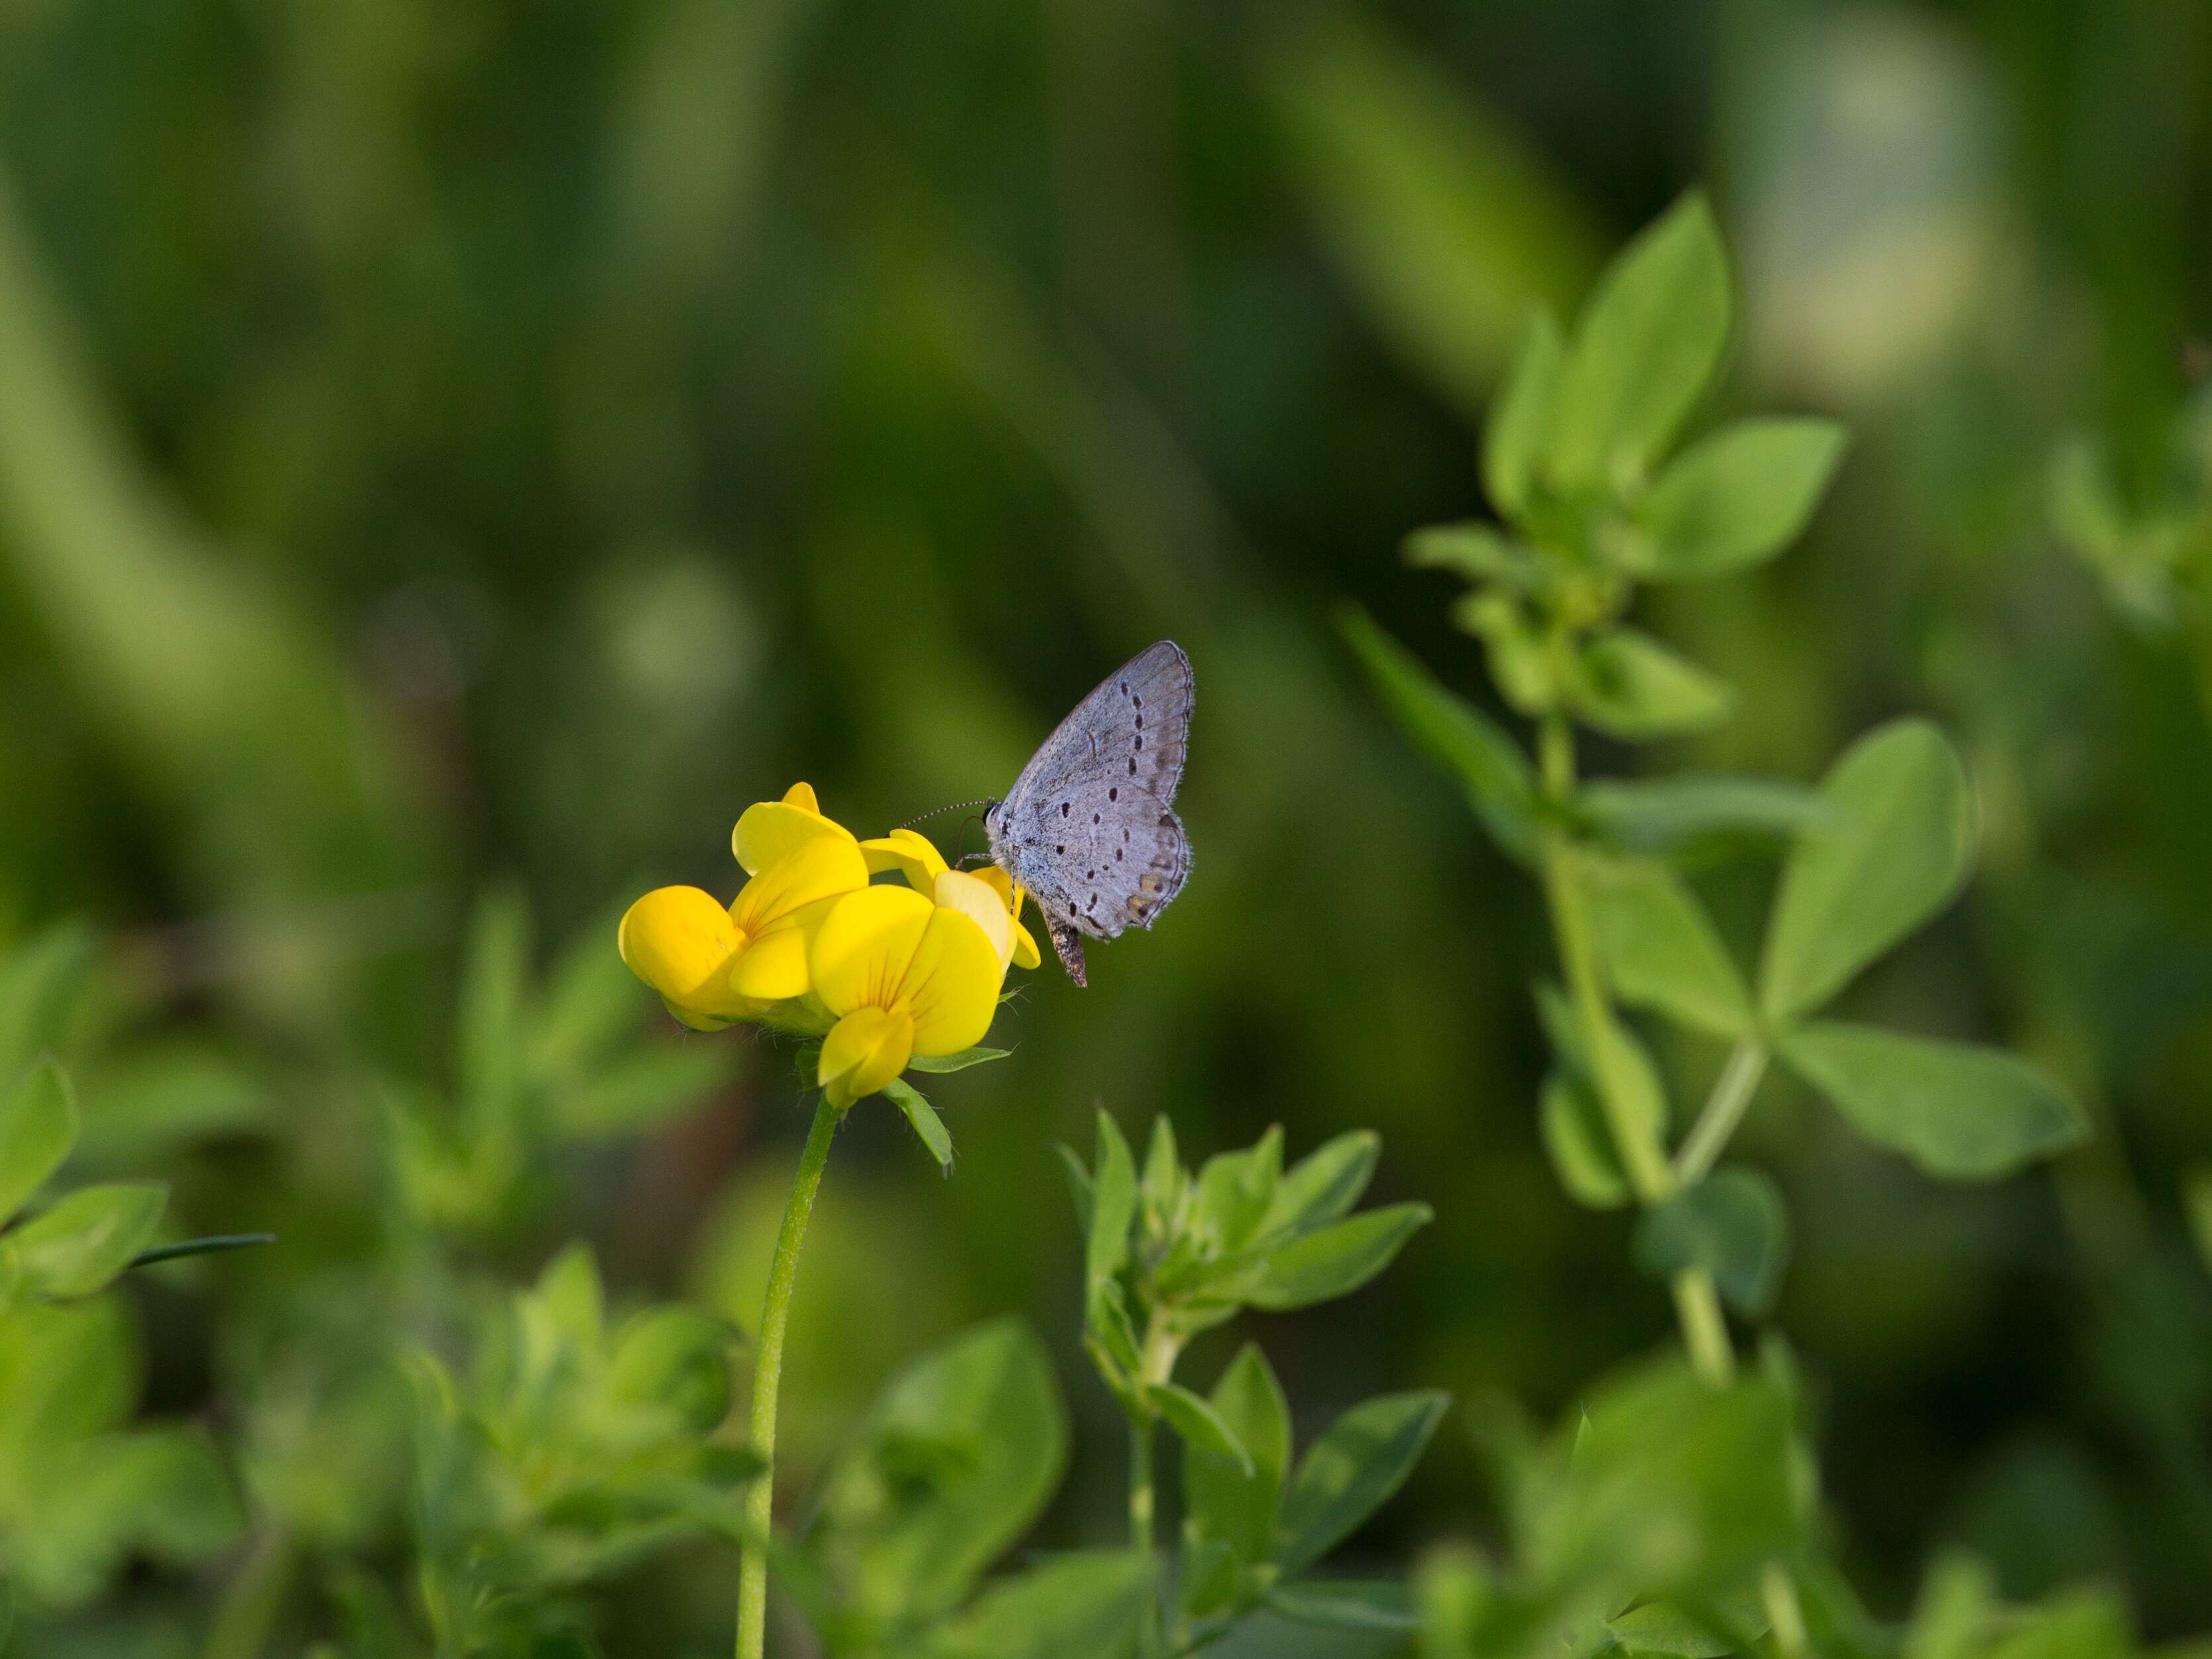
566	1452
81	1487
1172	1252
539	1064
1663	1489
1730	1225
953	1462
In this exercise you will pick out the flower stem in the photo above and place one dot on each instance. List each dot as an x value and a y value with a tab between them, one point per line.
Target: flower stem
1140	1532
767	1374
1724	1109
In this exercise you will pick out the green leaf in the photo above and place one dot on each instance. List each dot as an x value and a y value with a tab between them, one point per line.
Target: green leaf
924	1118
672	1360
1236	1501
1450	230
38	1126
1664	1484
1661	951
1515	436
1333	1261
1479	553
1079	1604
43	980
1669	815
1732	1224
952	1464
1665	1629
1324	1184
493	1037
1894	849
1112	1204
1346	1604
1490	766
1351	1471
1955	1109
1235	1190
1644	1092
1514	647
1579	1141
81	1244
1197	1424
1645	348
1079	1186
645	1089
959	1062
1160	1188
1736	498
1628	685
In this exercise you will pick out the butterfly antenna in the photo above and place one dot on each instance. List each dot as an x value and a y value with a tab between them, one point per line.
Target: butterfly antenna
958	805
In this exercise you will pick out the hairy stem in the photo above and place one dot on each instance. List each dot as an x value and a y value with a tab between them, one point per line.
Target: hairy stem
1724	1109
767	1374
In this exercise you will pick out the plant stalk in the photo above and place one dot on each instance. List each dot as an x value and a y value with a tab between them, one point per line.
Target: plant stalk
1724	1109
1141	1532
767	1374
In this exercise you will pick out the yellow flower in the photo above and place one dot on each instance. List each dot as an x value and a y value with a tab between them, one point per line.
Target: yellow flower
916	857
714	966
905	975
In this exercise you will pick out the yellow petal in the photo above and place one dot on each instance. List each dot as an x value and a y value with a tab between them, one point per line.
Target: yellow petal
951	986
973	898
863	1052
772	830
772	967
913	855
1025	948
801	795
860	953
818	869
679	941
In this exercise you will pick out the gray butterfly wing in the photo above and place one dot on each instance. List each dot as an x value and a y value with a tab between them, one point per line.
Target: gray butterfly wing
1090	826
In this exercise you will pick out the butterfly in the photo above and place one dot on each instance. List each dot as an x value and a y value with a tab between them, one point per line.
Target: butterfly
1089	826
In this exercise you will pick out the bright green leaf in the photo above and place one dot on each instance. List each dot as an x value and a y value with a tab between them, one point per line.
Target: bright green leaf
950	1465
1346	1604
959	1062
672	1360
1234	1501
1955	1109
1084	1603
1112	1204
1324	1184
1333	1261
1645	350
1673	815
1197	1424
494	1034
924	1118
1628	685
1736	498
81	1244
38	1126
1732	1224
1496	774
1519	426
1514	647
1895	847
1661	951
1351	1471
1479	553
1671	1631
1578	1142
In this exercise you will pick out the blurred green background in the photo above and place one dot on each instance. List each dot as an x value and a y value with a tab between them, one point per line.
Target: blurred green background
450	444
